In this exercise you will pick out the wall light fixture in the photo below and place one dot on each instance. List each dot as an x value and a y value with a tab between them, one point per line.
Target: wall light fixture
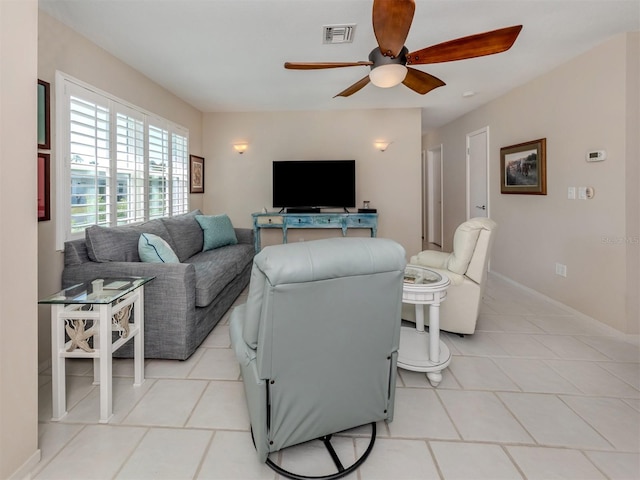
240	147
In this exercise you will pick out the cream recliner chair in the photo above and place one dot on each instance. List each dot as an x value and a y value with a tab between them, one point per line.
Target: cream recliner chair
317	341
466	267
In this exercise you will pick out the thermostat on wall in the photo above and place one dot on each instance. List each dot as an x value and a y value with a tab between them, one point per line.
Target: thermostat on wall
596	155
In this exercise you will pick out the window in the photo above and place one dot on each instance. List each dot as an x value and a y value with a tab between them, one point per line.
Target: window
121	165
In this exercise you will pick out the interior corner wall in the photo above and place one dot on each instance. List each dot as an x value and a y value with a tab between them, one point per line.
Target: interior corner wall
632	176
18	239
242	184
60	48
578	107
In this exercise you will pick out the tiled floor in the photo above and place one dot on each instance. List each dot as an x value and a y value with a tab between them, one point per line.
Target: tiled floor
538	393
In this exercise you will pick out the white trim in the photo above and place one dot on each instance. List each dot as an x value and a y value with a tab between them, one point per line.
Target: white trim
25	470
631	338
64	85
429	188
488	167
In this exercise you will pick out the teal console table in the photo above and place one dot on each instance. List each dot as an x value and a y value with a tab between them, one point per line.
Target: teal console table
285	221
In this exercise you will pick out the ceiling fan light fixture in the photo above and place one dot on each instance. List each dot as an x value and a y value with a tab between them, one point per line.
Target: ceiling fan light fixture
386	76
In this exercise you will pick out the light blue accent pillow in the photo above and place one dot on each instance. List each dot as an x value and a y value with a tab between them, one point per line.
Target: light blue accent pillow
154	249
218	231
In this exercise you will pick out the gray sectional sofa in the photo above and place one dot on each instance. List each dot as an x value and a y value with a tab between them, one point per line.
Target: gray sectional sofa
187	299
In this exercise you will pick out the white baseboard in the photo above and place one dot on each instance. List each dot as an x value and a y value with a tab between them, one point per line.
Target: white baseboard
24	472
635	339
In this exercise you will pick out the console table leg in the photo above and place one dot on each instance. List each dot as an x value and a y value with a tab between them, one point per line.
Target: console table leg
106	401
58	379
138	341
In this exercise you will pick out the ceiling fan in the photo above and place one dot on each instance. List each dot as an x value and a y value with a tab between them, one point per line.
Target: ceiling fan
390	60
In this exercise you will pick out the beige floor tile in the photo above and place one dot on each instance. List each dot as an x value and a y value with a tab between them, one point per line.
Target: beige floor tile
397	460
535	376
168	403
97	452
480	373
551	422
167	454
616	465
480	416
216	364
591	379
546	463
222	406
419	414
232	455
473	461
157	368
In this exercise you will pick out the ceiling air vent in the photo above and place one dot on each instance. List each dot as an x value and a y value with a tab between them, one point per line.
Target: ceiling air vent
338	33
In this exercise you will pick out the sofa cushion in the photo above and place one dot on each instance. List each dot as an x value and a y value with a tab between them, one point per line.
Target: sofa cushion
120	244
216	268
186	234
153	249
218	231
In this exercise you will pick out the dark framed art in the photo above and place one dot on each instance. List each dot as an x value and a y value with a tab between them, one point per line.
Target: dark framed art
523	168
196	174
44	182
44	124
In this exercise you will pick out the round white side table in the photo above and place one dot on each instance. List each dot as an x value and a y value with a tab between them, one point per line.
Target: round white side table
422	351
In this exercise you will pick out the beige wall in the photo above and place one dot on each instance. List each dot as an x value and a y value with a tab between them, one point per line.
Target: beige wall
241	184
18	239
60	48
589	103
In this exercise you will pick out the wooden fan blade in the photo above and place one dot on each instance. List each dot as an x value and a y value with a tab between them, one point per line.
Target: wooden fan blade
421	82
320	65
391	22
354	88
478	45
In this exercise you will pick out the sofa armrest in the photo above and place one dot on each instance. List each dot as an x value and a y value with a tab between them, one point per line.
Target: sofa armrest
431	258
244	235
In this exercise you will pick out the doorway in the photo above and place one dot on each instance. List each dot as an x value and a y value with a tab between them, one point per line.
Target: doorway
478	173
432	222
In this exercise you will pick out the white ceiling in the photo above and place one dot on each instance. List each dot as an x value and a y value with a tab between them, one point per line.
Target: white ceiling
228	55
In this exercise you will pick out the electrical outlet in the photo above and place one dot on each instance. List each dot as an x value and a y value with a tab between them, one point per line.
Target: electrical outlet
571	193
561	269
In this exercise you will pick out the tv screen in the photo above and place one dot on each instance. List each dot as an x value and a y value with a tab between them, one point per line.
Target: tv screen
314	183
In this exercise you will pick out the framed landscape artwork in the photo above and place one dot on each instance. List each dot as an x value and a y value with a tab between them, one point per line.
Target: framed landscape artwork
44	208
196	174
44	130
523	168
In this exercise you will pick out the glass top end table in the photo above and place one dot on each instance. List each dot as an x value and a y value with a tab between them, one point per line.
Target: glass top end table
93	320
96	292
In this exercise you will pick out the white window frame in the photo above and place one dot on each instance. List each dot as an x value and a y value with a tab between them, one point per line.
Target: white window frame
65	84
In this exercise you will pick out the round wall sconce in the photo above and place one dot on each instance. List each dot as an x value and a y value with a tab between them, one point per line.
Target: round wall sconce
240	147
380	145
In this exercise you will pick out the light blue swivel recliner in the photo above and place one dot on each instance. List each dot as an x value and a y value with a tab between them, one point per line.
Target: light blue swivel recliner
317	341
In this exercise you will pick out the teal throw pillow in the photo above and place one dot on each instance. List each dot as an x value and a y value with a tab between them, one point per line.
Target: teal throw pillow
218	231
153	249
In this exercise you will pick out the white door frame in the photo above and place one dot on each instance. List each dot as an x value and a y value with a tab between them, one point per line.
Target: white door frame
429	226
484	130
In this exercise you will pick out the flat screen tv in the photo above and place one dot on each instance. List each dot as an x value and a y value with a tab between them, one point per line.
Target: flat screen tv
314	184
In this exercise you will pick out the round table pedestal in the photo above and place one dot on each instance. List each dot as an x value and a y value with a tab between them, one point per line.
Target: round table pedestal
414	354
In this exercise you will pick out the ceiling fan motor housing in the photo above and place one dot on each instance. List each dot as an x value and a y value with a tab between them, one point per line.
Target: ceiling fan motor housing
379	59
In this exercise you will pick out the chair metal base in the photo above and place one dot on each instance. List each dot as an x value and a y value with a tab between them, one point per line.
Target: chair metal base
342	471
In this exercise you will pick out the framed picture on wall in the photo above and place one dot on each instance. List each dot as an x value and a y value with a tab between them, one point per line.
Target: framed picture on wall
196	174
44	208
44	130
523	168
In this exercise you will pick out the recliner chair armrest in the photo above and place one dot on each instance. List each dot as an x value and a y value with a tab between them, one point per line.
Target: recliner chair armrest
431	258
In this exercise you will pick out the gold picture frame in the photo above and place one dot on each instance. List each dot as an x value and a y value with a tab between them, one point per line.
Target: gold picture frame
523	168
